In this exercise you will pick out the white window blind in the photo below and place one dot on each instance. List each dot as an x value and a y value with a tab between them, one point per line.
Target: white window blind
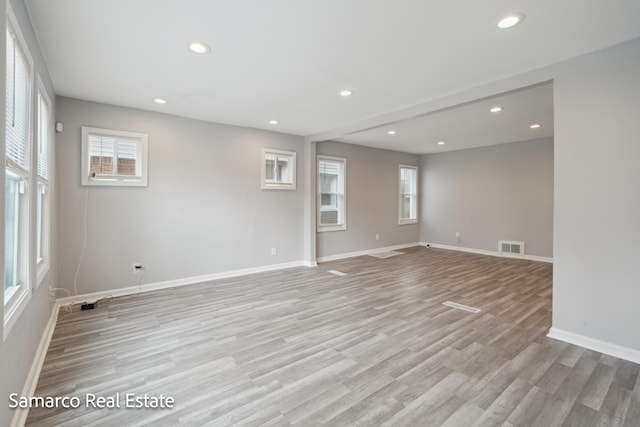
18	90
43	137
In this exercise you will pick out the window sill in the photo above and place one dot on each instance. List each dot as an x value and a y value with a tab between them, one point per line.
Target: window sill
407	221
278	187
323	228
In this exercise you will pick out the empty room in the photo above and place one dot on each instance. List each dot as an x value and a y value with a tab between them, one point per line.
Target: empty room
295	213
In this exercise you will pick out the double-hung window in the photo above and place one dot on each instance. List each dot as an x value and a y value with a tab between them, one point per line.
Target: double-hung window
42	194
331	194
408	200
19	78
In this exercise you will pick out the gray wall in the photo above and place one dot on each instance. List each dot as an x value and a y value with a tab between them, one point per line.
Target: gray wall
596	286
202	213
18	349
372	200
502	192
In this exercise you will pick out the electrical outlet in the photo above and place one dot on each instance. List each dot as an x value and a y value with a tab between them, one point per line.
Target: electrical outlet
274	251
377	236
458	237
137	267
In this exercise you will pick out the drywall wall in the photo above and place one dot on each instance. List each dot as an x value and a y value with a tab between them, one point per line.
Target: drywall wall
372	200
202	213
502	192
596	284
18	349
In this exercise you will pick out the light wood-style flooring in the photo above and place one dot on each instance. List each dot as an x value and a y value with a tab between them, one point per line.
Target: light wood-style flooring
375	347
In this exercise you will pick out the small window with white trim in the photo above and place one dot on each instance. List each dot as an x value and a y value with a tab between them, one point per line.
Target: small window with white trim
408	203
278	169
113	157
332	214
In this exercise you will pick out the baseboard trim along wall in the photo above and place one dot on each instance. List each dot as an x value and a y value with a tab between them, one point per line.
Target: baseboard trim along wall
366	252
20	415
594	344
177	282
486	252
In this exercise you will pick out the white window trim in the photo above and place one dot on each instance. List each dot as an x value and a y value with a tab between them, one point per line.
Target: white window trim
278	185
18	302
340	227
120	181
43	264
407	221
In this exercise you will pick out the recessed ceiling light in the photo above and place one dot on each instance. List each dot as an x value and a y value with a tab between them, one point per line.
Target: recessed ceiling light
392	132
535	126
496	109
510	20
273	122
346	92
159	101
440	142
199	47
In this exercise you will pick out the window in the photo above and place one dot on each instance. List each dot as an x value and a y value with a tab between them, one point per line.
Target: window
408	203
17	176
43	146
278	169
112	157
331	194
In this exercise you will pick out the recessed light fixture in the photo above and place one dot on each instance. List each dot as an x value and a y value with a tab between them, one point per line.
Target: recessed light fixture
440	142
510	20
535	126
199	47
273	122
345	92
392	132
496	109
159	101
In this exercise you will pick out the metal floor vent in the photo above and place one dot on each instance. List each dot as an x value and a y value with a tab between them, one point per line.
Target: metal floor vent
508	247
387	254
337	273
461	306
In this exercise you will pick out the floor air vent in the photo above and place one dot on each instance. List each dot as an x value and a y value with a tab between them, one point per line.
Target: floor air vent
509	248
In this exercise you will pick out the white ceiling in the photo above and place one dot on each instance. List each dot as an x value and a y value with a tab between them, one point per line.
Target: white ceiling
288	59
468	126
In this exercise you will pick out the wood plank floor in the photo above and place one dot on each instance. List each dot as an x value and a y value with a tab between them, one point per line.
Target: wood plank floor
374	347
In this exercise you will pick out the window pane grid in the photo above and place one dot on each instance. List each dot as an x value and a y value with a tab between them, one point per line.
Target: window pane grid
279	169
113	157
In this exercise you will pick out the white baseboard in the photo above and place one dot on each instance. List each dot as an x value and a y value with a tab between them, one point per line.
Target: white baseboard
310	263
594	344
20	415
486	252
174	283
366	252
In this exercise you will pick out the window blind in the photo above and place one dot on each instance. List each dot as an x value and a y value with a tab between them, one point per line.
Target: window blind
18	87
43	137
